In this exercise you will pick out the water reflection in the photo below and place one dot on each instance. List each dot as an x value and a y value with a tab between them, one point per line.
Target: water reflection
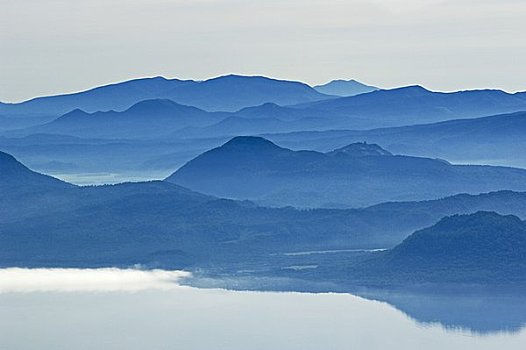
473	310
156	313
481	314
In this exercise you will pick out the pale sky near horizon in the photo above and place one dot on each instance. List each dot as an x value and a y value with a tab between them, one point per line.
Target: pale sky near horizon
57	46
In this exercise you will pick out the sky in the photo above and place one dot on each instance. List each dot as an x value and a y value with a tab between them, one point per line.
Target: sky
58	46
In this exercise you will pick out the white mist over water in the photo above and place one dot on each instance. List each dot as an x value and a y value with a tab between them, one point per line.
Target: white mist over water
134	309
17	280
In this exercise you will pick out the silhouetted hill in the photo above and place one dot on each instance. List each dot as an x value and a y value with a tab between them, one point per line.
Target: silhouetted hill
479	240
474	254
480	248
256	169
228	93
344	88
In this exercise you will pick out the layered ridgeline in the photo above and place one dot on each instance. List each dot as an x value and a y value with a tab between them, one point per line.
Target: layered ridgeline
491	139
175	132
165	225
344	88
398	109
488	140
417	105
175	138
275	99
146	119
266	118
164	120
226	93
353	176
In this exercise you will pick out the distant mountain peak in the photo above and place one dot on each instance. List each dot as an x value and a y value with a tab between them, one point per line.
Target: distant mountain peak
77	111
75	114
249	142
411	90
343	81
240	77
344	88
361	149
250	79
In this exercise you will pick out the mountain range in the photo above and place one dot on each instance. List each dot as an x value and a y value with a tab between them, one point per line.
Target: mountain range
378	109
162	134
226	93
274	98
353	176
162	119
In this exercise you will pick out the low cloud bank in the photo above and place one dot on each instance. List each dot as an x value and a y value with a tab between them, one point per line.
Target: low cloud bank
90	280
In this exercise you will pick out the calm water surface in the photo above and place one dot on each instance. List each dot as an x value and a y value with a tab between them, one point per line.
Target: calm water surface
129	309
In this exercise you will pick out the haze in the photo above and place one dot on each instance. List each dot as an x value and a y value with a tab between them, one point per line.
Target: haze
57	46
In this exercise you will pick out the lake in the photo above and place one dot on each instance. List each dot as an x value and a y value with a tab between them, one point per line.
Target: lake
134	309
